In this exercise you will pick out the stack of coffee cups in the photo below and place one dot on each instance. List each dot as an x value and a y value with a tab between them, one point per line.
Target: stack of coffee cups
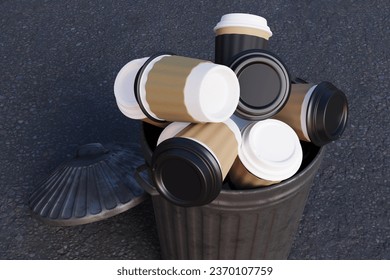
239	119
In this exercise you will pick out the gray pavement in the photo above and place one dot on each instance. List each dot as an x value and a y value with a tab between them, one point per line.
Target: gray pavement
58	62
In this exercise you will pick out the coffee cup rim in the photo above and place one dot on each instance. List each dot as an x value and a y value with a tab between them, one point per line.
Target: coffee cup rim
139	91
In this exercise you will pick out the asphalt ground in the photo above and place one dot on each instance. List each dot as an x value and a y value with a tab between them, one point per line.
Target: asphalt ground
58	62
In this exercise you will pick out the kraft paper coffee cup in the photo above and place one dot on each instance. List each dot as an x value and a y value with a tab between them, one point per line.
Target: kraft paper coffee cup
175	88
270	152
264	84
317	113
192	160
237	32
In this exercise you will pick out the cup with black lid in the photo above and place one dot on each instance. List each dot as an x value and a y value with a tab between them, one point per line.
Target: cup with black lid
191	160
237	32
264	84
317	112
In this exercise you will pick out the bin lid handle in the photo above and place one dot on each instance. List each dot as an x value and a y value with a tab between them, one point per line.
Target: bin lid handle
143	177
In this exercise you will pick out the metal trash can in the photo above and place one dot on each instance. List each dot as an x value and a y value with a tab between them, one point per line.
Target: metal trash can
239	224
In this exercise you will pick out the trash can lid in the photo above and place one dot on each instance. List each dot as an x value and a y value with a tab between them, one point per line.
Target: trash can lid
264	84
96	184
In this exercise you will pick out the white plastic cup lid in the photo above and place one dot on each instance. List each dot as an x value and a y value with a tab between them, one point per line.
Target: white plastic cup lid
211	93
243	20
128	112
124	89
270	150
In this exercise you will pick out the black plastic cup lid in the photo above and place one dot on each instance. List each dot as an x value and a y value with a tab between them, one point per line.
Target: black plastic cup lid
264	84
327	114
137	84
185	172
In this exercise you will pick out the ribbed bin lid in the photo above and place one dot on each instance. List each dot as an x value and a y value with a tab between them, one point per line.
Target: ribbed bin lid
96	184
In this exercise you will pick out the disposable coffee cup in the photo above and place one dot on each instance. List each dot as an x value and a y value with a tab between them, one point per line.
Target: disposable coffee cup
175	88
270	152
317	113
192	160
237	32
264	84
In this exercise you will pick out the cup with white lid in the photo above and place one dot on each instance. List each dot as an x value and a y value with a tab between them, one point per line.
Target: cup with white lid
317	112
191	160
270	152
237	32
123	89
166	87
